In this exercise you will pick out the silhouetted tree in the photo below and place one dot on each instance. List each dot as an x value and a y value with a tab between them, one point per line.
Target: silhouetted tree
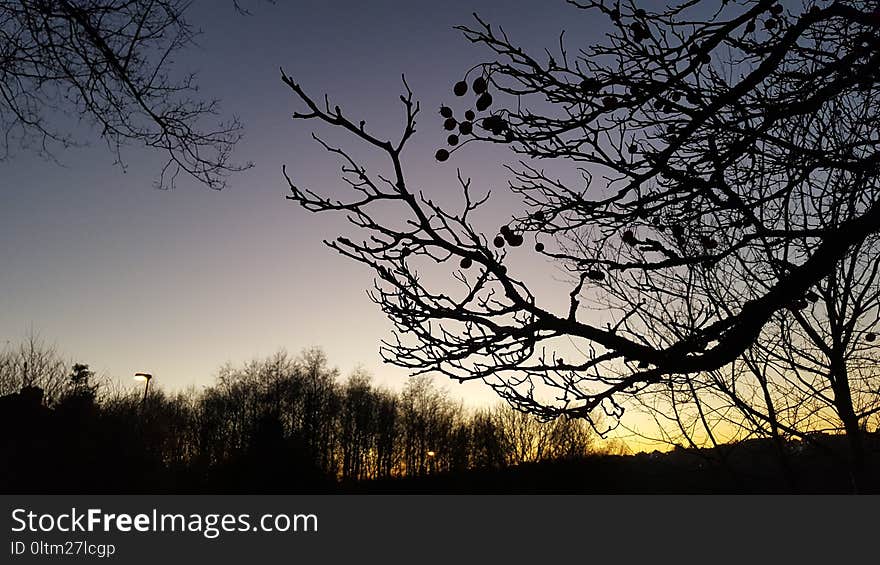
77	403
320	403
526	439
34	363
81	380
487	443
814	370
428	419
738	145
387	434
109	61
357	428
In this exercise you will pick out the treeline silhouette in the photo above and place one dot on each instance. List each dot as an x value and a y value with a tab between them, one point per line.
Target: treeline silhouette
292	424
282	423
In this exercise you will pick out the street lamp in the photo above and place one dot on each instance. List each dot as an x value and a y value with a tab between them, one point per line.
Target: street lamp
146	377
431	463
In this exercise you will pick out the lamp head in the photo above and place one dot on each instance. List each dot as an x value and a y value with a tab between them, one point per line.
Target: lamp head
142	376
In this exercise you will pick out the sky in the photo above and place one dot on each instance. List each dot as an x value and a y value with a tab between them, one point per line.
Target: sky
129	278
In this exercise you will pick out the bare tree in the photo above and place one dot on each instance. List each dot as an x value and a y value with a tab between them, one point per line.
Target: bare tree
358	423
813	371
487	442
526	439
109	61
34	363
739	139
428	423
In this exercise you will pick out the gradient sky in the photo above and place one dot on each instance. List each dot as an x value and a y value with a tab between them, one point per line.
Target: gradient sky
128	278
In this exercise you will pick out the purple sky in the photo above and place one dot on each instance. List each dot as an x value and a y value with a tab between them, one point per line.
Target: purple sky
128	278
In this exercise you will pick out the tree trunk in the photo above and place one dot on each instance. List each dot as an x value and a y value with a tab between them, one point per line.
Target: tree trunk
855	440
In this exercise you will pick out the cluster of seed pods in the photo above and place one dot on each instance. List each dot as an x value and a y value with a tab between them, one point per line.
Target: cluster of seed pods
461	128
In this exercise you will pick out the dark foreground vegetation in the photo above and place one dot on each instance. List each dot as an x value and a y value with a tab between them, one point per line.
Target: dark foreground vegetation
286	424
751	467
277	424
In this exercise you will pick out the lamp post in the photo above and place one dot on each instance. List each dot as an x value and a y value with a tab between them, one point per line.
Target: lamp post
146	377
431	463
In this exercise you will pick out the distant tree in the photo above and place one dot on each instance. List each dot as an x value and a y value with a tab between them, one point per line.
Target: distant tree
319	405
358	427
110	62
175	419
428	419
737	141
526	439
79	397
487	442
34	363
81	380
387	433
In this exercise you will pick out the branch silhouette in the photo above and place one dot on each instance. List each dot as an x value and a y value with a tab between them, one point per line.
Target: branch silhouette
724	148
110	62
